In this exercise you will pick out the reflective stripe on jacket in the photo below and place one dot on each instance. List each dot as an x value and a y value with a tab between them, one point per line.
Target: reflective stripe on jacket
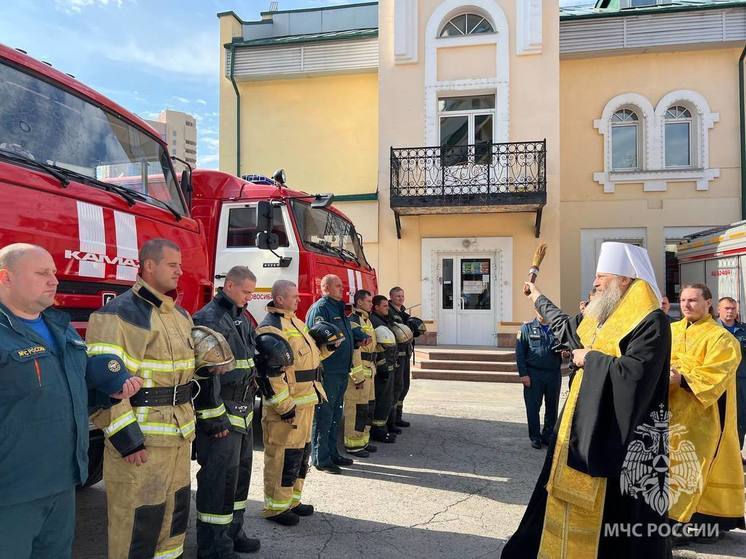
153	337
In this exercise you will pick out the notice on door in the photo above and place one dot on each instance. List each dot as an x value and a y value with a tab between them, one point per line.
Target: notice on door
472	287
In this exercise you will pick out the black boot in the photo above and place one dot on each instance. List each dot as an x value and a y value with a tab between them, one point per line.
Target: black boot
399	421
303	510
214	541
241	542
381	435
285	518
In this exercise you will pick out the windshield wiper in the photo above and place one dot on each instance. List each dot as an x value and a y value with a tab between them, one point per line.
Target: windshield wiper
13	156
129	196
151	198
322	246
352	255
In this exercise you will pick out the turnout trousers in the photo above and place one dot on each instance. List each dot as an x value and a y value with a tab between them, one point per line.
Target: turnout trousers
401	387
222	489
384	399
358	414
148	505
287	449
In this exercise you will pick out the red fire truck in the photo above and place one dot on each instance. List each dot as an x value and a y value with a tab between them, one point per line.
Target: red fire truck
280	233
90	182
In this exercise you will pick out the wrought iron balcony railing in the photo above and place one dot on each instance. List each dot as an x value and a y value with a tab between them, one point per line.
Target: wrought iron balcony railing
478	174
469	178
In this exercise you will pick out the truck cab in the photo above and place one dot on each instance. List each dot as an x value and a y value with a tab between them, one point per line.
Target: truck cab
311	237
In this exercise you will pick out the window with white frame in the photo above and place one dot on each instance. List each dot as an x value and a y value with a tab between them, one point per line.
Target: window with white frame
466	121
678	137
466	24
625	140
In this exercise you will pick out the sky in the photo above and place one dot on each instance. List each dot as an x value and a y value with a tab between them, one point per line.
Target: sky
147	55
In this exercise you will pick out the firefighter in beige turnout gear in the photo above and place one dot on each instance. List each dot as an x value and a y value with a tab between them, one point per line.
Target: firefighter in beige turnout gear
289	396
360	395
148	437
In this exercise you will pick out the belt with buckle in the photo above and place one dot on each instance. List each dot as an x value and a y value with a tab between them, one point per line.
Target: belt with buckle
163	396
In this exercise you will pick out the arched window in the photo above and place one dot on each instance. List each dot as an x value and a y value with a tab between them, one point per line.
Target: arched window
466	24
678	138
625	140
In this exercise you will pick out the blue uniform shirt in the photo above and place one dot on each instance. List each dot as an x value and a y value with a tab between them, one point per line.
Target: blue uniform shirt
533	350
331	310
40	327
43	408
739	332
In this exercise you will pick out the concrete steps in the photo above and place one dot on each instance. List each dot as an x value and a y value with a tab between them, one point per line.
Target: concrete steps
465	363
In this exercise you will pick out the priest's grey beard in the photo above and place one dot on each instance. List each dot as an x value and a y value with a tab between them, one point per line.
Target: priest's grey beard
603	304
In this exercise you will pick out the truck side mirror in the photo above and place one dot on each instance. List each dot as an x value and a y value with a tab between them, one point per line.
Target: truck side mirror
186	186
265	238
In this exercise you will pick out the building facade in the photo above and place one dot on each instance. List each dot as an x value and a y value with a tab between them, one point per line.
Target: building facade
179	130
458	135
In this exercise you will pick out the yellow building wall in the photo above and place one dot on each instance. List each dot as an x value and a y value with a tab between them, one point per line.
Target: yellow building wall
586	85
534	110
322	130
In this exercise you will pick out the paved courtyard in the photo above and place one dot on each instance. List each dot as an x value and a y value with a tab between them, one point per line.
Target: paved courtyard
454	486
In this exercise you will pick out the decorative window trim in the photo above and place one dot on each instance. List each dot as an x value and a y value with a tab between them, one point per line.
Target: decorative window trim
498	85
528	37
405	31
653	174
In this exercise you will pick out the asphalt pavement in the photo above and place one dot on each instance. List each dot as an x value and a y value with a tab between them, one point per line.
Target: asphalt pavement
454	485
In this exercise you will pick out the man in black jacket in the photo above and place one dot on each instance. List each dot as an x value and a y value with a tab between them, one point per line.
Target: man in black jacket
225	408
384	379
398	313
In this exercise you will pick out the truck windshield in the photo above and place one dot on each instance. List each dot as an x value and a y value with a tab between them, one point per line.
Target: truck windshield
44	122
324	231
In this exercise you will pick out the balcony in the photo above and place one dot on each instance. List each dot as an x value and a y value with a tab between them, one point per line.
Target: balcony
476	178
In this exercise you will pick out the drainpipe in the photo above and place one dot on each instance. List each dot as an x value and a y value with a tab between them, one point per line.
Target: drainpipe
238	111
742	131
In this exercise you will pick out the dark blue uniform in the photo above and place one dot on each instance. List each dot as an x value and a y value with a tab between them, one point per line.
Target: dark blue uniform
336	367
43	435
537	360
739	332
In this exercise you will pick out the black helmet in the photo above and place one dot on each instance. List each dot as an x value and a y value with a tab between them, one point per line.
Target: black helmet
416	326
274	352
359	337
326	333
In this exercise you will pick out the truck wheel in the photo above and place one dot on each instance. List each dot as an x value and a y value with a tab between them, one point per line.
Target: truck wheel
95	457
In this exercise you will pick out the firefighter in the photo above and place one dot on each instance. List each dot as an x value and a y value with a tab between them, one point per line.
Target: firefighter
44	422
290	391
325	455
148	437
398	313
225	409
385	369
360	396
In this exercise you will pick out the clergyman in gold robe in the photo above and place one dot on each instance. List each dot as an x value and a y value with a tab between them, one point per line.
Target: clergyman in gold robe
706	483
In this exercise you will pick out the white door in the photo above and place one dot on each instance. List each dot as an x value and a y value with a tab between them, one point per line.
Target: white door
236	245
466	301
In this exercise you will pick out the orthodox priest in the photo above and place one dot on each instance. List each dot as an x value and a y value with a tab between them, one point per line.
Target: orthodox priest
602	493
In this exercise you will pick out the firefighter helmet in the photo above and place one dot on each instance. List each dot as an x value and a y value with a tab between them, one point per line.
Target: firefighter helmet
211	350
359	337
402	333
326	333
417	326
274	352
385	337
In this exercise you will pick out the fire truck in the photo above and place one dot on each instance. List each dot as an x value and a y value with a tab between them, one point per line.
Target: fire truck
279	233
90	182
717	258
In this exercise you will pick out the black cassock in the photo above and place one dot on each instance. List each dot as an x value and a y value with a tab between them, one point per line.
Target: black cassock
616	396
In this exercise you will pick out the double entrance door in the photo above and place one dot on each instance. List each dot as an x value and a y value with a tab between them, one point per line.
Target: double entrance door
466	299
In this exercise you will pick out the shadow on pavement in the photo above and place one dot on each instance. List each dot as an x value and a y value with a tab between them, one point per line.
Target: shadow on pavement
321	535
